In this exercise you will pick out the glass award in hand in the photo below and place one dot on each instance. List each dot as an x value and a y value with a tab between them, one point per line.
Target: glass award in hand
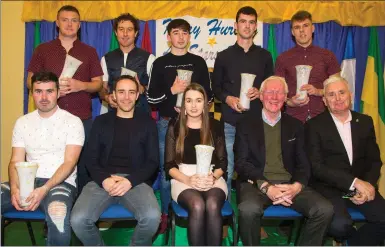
71	65
303	74
27	174
184	75
129	72
247	82
204	154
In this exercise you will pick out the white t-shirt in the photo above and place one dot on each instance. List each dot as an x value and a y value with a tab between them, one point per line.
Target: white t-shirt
45	140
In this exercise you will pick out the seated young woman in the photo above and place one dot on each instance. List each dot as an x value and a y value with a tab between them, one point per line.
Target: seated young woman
201	195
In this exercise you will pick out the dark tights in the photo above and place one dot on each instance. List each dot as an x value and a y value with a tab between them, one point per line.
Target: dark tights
204	215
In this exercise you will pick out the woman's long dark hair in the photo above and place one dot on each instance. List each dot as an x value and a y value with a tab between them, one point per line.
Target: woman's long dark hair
205	132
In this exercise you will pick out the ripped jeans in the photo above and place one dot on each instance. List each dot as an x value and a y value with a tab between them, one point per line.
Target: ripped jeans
56	205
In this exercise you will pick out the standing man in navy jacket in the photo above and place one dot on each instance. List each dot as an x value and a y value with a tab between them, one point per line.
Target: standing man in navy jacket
128	56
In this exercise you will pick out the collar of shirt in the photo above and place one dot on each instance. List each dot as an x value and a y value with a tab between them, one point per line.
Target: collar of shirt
271	123
337	121
301	48
344	130
240	48
53	117
75	43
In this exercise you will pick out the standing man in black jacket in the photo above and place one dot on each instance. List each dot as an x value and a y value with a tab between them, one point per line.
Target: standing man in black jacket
243	57
122	156
345	158
273	168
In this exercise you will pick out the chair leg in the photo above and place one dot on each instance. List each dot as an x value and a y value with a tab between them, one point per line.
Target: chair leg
167	236
2	230
32	236
298	232
292	225
173	229
235	229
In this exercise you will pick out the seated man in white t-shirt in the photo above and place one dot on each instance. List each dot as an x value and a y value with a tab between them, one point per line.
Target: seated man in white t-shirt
53	138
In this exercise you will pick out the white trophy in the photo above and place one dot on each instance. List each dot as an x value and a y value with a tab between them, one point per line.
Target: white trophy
71	65
27	173
203	154
129	72
247	81
184	75
303	74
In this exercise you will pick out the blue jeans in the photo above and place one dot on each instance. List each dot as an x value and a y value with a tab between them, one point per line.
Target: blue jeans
56	205
165	185
229	138
94	200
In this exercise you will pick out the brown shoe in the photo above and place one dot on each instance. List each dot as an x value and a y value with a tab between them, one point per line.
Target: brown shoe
335	243
263	233
225	232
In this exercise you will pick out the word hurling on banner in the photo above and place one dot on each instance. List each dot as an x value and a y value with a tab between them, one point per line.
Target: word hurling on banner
208	36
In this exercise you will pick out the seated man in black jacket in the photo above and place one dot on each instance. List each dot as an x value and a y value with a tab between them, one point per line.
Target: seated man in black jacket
345	159
122	157
273	168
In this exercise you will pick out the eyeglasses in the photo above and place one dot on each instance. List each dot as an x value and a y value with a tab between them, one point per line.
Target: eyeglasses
271	93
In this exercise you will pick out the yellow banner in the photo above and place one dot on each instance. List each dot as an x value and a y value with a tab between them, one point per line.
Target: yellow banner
355	13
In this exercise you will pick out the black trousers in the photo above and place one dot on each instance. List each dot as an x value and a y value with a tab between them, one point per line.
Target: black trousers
341	228
83	176
313	206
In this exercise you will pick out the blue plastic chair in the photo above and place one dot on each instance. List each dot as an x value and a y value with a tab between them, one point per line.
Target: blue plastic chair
177	212
284	213
115	212
14	215
356	215
279	212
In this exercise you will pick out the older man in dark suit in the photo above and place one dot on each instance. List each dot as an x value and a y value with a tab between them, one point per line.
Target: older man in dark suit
273	168
345	157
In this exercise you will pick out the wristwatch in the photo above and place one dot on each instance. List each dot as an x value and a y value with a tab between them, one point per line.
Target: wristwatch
265	188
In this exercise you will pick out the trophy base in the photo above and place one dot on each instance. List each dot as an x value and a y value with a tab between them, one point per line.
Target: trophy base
24	204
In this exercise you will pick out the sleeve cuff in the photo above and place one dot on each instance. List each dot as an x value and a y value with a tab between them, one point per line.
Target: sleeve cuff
134	182
168	93
99	179
260	182
224	96
352	186
18	145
